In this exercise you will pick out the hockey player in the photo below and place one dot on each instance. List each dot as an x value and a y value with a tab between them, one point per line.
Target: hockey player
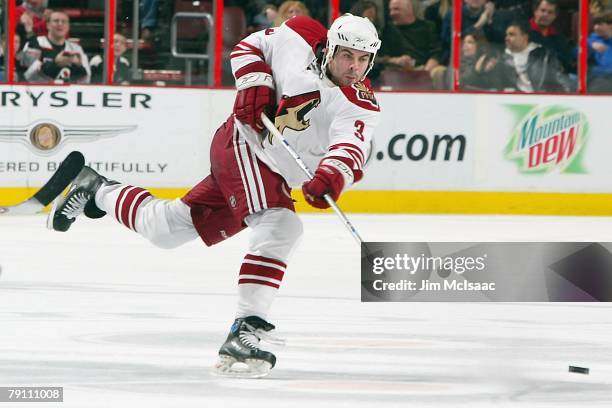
328	114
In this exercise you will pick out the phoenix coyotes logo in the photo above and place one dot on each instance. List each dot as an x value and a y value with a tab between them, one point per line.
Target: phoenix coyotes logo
293	110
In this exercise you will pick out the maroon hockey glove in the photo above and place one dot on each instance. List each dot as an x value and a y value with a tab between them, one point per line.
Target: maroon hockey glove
255	94
330	178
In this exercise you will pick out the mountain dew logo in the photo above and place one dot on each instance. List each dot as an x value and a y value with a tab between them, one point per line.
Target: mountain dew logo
547	139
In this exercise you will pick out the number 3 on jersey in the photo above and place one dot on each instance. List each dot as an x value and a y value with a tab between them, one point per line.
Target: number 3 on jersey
359	126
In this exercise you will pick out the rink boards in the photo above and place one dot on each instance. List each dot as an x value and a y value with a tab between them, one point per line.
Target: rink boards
433	153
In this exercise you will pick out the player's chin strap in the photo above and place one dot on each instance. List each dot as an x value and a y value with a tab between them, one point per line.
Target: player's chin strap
275	133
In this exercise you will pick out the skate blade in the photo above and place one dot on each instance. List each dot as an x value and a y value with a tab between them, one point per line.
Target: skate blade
251	368
52	211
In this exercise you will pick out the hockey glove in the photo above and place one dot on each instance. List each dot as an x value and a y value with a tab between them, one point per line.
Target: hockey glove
331	177
255	94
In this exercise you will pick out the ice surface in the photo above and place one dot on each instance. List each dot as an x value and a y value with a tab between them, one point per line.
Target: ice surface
119	323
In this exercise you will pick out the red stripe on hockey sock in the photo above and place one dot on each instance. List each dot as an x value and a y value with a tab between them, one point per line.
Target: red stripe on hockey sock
125	207
261	270
258	282
264	259
127	203
117	203
136	206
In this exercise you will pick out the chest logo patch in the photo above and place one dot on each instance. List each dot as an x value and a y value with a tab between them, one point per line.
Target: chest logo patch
292	111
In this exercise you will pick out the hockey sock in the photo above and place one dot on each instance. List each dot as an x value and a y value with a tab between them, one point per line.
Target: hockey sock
165	223
259	280
122	201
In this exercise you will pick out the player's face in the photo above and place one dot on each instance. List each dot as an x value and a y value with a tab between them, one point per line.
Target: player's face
545	14
348	66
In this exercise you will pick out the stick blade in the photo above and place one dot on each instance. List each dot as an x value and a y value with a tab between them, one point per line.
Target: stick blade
65	173
63	176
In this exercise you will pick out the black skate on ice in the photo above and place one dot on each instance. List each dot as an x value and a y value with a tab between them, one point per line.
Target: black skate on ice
79	200
240	355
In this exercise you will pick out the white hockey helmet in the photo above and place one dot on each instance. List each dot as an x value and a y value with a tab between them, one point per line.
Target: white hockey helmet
352	32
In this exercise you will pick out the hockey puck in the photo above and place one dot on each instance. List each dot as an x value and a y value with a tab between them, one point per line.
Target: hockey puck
579	370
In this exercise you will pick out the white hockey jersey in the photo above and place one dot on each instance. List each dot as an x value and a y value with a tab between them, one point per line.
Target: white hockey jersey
318	118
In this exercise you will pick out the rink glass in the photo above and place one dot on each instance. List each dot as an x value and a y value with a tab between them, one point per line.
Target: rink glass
187	43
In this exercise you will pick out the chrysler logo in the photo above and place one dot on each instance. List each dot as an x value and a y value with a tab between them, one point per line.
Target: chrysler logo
45	137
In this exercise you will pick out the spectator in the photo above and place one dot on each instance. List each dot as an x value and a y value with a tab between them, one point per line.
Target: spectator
600	50
480	15
121	73
3	50
290	9
148	20
31	19
408	42
271	12
437	12
478	69
369	9
518	9
266	18
476	15
530	67
54	57
544	32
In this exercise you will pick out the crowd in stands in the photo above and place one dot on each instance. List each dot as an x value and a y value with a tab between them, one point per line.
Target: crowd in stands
503	48
506	45
44	53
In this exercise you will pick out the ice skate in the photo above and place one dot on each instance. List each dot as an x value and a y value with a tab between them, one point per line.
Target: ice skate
240	355
79	200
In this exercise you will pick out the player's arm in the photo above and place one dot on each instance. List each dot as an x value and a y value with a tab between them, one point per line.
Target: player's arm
250	65
343	164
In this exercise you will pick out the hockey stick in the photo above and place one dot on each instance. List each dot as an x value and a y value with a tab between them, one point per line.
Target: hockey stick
274	131
63	176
